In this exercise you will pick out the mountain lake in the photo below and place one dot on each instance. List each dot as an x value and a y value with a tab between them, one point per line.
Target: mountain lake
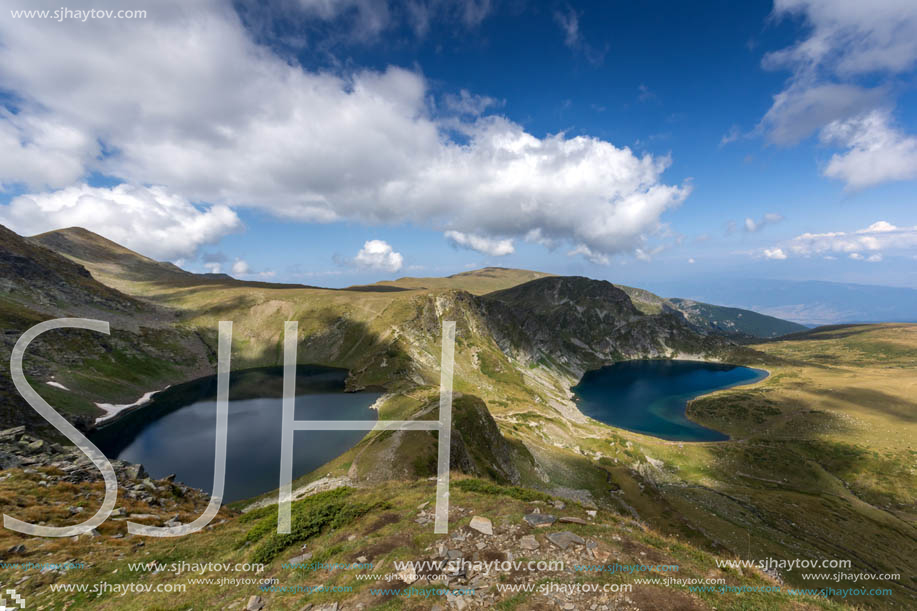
176	431
650	396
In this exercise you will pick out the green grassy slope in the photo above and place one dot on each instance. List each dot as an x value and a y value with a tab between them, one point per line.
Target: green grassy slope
145	351
818	466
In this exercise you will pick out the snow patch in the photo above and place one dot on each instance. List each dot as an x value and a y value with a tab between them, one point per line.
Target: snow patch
113	410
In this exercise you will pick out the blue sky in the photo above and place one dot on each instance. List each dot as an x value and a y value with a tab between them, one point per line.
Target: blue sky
339	143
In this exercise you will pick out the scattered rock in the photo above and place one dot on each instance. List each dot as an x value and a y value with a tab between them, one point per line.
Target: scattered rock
482	525
255	603
572	520
408	575
301	558
12	434
529	542
135	472
457	601
539	520
565	539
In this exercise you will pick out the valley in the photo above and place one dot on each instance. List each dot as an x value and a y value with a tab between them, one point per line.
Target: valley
819	464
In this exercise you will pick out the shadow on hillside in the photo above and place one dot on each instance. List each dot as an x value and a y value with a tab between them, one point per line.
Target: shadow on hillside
801	490
874	401
375	288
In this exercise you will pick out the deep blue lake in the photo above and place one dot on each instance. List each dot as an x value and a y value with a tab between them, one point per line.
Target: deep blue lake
175	432
650	396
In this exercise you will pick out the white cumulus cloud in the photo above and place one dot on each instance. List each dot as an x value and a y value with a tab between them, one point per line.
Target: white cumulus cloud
488	246
379	255
877	151
240	267
774	253
150	220
876	239
842	75
235	125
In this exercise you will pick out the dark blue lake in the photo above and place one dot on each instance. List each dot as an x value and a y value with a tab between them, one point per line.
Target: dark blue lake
175	432
650	396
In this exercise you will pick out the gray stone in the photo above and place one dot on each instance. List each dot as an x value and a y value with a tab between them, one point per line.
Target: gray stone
11	434
255	603
457	601
528	542
301	558
482	525
408	574
135	472
565	539
572	520
9	461
539	520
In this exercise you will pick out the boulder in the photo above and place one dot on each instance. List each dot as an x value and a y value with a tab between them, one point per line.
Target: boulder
12	434
301	558
135	472
482	525
565	539
539	520
528	542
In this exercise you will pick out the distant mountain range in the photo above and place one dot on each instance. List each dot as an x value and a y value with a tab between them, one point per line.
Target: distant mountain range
807	302
737	323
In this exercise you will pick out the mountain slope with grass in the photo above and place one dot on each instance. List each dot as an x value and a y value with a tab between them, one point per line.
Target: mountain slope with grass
819	465
145	349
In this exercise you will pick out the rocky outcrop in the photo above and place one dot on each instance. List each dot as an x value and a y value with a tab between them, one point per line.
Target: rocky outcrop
478	446
577	323
19	450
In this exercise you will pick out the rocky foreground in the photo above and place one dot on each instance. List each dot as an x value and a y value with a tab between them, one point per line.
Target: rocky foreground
350	549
